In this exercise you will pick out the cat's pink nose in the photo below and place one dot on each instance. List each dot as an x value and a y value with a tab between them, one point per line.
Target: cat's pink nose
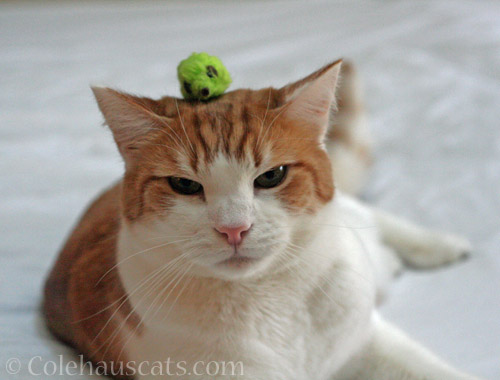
234	234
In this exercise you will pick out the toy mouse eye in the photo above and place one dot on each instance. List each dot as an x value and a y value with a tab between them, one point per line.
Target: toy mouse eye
212	71
184	186
271	178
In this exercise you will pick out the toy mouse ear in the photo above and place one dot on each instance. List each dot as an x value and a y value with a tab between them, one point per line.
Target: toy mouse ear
311	99
129	117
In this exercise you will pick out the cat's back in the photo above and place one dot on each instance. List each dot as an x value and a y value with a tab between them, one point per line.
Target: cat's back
93	238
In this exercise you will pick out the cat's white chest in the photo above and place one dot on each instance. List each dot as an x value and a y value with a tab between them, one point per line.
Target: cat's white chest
301	326
296	338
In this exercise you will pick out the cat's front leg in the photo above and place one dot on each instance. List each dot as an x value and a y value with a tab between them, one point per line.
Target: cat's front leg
418	246
391	355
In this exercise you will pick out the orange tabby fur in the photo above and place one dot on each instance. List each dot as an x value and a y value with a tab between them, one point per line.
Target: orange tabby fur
83	289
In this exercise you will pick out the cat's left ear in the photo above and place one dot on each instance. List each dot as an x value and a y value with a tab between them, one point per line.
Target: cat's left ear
311	99
130	118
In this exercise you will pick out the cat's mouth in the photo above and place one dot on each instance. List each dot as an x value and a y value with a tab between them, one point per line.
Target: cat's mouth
237	261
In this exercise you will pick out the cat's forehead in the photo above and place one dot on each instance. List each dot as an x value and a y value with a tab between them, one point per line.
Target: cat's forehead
267	98
239	126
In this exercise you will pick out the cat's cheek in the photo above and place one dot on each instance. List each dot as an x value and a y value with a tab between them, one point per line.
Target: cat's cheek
306	190
157	198
272	223
143	196
298	196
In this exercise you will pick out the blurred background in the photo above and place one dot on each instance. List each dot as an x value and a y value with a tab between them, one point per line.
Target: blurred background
431	73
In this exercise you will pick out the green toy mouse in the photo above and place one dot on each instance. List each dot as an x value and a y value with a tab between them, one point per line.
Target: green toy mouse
202	77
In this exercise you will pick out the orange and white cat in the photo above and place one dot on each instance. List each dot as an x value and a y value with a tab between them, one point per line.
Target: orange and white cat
227	240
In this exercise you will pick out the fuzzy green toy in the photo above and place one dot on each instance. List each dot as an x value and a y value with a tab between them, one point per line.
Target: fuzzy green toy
202	77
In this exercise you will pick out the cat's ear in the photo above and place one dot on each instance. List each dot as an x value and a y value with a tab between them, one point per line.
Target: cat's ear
130	118
311	99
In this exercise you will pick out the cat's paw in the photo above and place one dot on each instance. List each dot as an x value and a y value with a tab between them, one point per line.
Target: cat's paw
439	249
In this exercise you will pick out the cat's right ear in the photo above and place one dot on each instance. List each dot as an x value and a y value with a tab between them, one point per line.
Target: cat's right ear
311	99
128	117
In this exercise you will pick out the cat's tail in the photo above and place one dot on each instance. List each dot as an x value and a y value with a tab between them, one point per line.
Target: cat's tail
349	142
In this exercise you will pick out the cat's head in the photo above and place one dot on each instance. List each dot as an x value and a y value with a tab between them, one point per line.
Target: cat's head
230	184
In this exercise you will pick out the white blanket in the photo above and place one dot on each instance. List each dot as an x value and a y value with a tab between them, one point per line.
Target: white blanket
432	79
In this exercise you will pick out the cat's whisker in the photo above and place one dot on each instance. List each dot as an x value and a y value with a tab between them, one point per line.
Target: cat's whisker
168	237
172	289
301	250
169	148
171	268
137	287
175	273
318	286
183	127
285	107
259	119
178	295
177	139
143	282
160	292
135	254
257	145
126	296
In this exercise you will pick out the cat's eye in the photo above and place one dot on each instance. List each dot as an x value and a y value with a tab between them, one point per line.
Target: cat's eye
184	186
271	178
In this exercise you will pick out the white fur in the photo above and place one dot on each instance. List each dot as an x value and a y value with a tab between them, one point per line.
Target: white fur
302	322
308	314
301	305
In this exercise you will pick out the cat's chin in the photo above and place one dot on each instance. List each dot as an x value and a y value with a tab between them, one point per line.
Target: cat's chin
236	267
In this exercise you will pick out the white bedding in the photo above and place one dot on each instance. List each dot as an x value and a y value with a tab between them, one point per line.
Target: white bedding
432	79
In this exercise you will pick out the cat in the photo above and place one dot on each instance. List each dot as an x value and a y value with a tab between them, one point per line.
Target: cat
226	240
